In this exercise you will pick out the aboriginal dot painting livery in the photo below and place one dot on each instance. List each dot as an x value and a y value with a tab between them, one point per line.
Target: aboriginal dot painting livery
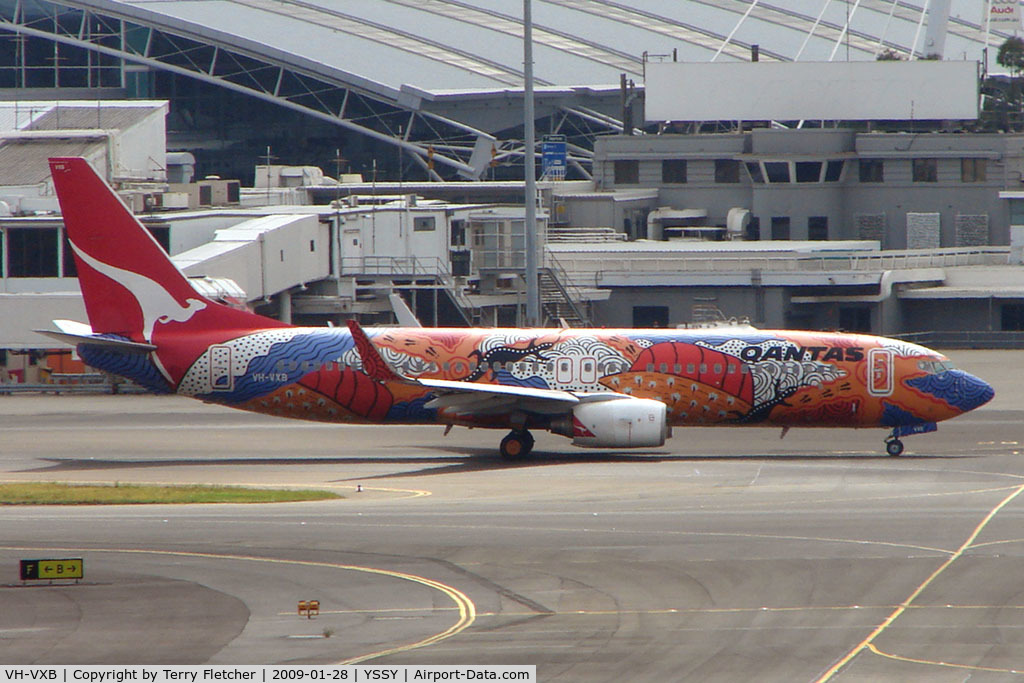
602	388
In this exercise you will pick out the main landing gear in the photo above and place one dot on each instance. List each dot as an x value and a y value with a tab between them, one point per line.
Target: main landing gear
517	444
893	445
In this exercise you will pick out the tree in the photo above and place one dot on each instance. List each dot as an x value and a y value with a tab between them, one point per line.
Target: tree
1011	55
889	55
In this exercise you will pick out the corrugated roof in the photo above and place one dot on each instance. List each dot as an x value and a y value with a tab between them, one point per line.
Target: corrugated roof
105	117
26	161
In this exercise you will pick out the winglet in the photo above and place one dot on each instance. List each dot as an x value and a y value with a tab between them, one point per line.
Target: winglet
373	365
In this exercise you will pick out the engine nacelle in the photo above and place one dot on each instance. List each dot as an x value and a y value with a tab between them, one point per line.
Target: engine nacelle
616	423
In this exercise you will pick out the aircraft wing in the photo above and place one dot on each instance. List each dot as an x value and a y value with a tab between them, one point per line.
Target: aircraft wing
75	333
473	397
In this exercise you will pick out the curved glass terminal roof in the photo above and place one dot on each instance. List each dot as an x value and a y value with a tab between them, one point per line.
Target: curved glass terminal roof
441	46
442	78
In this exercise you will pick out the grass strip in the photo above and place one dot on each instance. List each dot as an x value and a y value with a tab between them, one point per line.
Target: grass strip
53	493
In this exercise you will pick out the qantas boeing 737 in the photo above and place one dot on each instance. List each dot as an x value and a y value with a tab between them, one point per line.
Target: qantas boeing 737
601	388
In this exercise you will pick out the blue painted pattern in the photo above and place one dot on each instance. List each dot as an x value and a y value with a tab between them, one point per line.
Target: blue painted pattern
138	367
286	363
959	389
534	382
894	416
412	411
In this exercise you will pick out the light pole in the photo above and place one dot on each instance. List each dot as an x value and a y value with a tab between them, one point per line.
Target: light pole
530	226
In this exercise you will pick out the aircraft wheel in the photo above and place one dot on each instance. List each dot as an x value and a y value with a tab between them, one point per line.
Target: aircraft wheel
894	447
517	444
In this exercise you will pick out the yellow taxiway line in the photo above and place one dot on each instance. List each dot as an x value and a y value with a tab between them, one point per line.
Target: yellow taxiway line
903	606
466	608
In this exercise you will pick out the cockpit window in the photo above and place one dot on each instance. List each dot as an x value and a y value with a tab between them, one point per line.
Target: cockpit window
934	367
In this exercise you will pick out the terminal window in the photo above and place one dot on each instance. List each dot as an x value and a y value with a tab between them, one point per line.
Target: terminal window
808	171
627	172
855	319
650	316
872	171
833	171
973	170
778	171
32	252
673	171
817	227
727	171
1013	317
780	227
926	170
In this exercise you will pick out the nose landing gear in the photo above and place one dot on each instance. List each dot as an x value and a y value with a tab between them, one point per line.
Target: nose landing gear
893	446
517	444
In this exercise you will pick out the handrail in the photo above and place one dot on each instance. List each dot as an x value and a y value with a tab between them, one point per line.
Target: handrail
966	339
410	266
566	286
587	265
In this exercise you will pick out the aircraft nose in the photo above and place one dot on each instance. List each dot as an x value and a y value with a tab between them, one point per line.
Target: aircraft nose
961	390
971	391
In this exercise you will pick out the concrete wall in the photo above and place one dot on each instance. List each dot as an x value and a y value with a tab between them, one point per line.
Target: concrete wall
22	313
738	302
843	201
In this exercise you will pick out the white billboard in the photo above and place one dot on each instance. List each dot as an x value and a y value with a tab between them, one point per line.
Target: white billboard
1003	15
789	91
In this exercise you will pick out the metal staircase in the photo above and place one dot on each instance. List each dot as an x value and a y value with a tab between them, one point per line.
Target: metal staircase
560	299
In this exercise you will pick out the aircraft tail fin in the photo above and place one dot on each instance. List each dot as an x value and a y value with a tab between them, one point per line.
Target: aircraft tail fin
128	282
373	364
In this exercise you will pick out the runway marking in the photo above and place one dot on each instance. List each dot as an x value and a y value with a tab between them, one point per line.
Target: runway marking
633	532
664	610
903	606
913	660
1003	542
465	606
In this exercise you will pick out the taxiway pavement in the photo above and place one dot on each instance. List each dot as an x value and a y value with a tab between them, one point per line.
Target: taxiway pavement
726	555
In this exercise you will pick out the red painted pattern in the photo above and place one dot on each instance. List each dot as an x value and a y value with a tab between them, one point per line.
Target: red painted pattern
352	390
673	354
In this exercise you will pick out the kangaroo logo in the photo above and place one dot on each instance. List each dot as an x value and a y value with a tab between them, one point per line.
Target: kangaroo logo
157	305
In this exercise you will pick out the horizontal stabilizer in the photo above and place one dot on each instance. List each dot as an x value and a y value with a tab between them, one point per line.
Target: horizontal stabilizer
75	333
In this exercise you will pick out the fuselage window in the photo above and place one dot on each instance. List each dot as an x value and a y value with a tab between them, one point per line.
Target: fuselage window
650	367
677	368
730	369
446	366
718	368
703	367
744	370
588	371
496	366
691	368
564	372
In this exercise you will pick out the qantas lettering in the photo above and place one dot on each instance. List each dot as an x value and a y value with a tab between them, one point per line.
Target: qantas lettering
754	354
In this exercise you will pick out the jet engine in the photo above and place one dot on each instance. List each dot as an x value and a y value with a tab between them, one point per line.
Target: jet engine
615	423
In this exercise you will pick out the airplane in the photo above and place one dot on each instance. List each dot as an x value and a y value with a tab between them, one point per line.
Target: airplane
603	388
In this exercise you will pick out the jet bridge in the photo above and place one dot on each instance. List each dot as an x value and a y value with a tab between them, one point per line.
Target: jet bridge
264	256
